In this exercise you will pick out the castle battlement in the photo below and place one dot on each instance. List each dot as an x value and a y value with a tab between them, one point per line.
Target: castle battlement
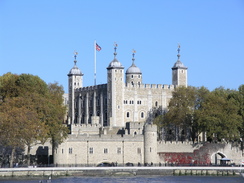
102	138
149	86
89	88
176	142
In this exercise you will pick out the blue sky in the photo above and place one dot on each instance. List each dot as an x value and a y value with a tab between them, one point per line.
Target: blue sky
39	37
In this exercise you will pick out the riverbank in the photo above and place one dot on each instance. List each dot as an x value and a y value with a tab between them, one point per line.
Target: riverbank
119	171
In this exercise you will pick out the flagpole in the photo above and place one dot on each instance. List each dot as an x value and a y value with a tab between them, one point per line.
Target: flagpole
95	62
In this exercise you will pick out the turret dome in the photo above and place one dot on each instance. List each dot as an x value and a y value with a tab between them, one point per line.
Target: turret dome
133	69
75	71
115	64
179	64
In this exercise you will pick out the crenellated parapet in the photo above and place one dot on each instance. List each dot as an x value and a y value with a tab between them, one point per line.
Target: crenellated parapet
85	129
150	86
91	88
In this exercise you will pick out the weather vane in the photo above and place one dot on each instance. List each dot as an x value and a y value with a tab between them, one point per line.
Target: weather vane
178	51
75	55
115	48
133	55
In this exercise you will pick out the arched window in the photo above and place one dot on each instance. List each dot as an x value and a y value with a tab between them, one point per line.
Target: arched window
156	103
142	114
127	114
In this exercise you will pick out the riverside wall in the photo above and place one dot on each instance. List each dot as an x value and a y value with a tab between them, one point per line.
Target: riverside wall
119	171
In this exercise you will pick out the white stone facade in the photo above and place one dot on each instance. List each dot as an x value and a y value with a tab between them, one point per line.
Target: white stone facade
111	122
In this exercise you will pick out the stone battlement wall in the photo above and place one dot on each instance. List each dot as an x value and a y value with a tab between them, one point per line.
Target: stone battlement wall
89	88
112	138
152	86
129	85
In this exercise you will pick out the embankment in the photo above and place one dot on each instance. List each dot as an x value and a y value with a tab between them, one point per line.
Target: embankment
118	171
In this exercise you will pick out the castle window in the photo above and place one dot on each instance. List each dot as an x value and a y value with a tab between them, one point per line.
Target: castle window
139	76
138	150
131	76
62	151
91	150
115	70
156	104
132	102
70	150
142	115
150	149
118	106
119	150
105	151
127	114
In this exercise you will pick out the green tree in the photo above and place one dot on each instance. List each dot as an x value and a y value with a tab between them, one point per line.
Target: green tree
55	112
181	109
218	115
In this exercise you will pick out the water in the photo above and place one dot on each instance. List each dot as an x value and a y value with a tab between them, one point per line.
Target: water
136	179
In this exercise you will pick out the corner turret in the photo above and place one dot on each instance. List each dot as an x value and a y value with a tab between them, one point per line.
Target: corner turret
179	72
75	81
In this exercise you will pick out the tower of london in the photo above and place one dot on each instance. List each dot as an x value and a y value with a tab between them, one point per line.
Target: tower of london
112	122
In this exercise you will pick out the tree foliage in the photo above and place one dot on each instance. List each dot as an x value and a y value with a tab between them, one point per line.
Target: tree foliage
219	113
30	111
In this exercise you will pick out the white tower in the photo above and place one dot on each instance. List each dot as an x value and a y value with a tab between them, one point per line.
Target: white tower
179	72
75	81
115	92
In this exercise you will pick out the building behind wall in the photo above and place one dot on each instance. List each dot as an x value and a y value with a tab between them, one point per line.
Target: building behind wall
112	122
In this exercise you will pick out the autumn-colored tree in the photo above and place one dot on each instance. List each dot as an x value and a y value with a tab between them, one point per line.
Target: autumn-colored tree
30	111
19	125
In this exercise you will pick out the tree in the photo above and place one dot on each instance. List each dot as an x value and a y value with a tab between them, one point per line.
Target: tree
181	110
55	112
19	125
218	116
31	111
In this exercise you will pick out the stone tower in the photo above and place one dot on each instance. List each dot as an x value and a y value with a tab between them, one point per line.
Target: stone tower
179	72
115	92
75	81
133	73
150	144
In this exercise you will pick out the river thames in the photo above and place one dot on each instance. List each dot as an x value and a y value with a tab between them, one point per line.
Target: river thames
133	179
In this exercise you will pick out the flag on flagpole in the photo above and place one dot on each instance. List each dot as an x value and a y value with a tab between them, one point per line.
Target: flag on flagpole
98	48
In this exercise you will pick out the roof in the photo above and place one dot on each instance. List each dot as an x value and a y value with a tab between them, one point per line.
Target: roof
133	69
179	64
75	71
115	64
